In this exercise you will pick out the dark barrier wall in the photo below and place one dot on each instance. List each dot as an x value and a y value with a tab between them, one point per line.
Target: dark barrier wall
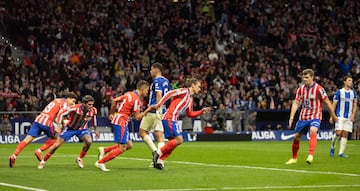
224	137
278	120
22	125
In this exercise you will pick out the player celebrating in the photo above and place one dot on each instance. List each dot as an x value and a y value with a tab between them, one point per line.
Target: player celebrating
151	121
79	117
311	95
44	123
182	99
129	105
345	105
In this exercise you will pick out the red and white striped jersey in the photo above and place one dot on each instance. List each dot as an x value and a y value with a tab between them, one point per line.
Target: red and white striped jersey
181	101
130	102
311	99
51	111
78	119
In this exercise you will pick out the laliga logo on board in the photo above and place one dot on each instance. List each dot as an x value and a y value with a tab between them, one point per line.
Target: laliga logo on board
263	135
9	139
323	135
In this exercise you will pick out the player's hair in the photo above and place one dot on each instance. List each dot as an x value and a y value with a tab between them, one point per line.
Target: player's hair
346	77
191	81
141	84
87	98
158	66
71	95
308	71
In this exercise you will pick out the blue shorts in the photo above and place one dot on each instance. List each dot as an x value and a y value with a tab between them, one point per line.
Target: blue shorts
68	133
36	129
121	134
304	125
171	129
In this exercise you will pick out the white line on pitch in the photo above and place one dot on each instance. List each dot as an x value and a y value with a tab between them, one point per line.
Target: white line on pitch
254	167
290	187
21	187
256	188
232	166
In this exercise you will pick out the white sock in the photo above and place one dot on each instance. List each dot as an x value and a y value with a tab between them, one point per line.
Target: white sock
38	150
343	142
333	141
147	139
161	145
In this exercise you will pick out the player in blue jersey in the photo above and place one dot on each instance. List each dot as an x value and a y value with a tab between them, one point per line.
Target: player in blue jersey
345	105
151	122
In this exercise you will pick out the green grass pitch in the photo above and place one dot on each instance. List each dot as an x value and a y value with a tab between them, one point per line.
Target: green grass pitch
192	166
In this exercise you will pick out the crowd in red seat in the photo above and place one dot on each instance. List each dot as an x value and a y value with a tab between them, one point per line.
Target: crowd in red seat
248	53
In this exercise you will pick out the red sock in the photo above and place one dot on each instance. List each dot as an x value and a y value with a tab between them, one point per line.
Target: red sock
111	155
295	148
312	144
167	149
20	147
47	156
109	148
82	154
47	144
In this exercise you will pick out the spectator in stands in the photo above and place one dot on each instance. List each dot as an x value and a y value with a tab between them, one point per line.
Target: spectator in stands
236	116
250	121
5	126
221	116
356	130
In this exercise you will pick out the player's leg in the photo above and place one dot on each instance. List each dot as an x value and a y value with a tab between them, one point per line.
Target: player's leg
123	144
59	141
299	127
45	146
146	125
343	142
18	149
34	131
173	133
336	136
314	126
347	128
159	134
83	135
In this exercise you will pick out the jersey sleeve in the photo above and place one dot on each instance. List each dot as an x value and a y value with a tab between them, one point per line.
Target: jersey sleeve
190	112
93	119
337	96
137	105
298	94
322	93
171	94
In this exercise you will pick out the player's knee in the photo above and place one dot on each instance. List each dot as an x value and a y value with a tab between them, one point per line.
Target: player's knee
129	146
179	140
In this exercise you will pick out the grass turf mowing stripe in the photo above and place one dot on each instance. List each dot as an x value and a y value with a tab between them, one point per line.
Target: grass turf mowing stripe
21	187
253	167
230	166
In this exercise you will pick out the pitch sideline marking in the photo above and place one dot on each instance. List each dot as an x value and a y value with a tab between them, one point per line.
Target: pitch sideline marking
253	167
256	188
21	187
233	166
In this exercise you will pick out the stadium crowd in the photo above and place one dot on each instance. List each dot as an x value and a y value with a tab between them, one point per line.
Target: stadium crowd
247	53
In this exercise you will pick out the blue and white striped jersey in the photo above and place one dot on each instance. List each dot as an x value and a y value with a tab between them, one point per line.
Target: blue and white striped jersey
345	102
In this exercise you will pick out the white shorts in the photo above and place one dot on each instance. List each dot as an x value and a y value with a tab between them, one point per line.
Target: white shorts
344	124
150	122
